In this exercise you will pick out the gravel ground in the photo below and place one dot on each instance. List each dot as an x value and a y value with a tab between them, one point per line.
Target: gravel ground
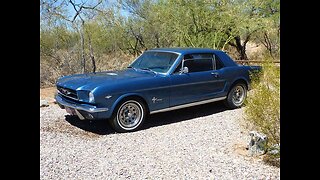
202	142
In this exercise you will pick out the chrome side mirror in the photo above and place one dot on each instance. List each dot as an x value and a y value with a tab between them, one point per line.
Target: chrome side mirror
184	70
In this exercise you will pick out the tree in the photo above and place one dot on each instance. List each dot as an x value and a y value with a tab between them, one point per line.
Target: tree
73	31
270	35
54	9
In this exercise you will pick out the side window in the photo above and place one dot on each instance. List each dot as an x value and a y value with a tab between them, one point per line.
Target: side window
219	64
198	62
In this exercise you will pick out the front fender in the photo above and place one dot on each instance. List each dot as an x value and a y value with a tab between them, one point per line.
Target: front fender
116	102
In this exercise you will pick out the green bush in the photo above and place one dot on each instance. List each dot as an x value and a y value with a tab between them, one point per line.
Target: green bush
263	108
263	103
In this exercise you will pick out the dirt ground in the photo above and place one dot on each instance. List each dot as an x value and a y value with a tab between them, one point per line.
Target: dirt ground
201	142
48	94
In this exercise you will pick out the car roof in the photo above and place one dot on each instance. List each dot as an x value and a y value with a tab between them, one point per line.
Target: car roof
186	50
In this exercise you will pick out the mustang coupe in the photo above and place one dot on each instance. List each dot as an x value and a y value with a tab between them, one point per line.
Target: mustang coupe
159	80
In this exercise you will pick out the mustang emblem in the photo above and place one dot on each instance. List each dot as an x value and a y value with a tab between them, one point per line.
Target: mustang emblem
154	99
64	91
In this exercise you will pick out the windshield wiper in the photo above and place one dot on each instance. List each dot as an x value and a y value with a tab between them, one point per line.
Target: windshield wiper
132	67
148	69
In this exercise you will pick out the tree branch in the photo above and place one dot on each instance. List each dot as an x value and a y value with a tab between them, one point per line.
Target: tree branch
88	7
232	44
194	21
77	11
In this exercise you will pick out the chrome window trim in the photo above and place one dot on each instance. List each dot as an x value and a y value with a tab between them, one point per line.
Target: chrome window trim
213	60
189	105
163	51
173	64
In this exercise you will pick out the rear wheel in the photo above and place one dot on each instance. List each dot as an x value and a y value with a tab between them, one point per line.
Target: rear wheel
128	116
236	96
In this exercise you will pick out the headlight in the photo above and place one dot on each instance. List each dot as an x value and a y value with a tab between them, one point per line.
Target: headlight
91	97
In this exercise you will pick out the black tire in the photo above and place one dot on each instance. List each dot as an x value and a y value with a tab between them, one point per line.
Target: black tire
129	115
236	96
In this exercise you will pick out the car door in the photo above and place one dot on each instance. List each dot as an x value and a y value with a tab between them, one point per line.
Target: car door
202	81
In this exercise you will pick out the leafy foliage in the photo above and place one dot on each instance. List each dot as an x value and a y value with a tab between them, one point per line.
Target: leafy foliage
263	103
74	32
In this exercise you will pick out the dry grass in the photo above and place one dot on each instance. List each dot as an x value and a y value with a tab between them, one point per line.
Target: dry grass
47	92
68	62
114	61
272	160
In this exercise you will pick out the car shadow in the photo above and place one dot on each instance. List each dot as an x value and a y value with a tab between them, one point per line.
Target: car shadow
102	127
184	114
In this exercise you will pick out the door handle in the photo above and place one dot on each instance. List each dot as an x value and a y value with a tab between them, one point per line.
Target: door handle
215	74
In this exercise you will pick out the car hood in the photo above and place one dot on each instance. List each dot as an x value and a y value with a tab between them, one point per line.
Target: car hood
90	81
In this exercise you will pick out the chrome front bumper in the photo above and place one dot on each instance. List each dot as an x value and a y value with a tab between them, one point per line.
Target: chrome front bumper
83	107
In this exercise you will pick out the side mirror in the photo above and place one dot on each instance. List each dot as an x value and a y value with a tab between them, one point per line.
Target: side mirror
184	70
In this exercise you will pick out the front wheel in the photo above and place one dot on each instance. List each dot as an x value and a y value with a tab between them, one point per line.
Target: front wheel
128	116
236	96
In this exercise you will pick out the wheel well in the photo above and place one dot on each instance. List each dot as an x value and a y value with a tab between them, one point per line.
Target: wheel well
141	99
240	81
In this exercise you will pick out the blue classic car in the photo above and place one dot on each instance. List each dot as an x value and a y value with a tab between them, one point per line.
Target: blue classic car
159	80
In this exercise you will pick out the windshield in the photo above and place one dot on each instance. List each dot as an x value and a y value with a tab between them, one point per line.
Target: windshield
155	61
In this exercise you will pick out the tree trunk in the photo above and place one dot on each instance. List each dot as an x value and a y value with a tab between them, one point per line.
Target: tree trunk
92	55
83	60
157	40
267	43
241	48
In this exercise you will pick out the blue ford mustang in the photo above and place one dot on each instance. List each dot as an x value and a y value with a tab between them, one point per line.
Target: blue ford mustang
159	80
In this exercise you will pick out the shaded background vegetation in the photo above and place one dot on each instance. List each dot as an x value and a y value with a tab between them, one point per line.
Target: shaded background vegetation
79	36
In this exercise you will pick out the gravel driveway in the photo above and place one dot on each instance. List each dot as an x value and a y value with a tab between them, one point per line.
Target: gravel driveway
202	142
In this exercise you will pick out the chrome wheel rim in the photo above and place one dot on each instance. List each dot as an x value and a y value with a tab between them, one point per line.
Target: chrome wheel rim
130	115
238	95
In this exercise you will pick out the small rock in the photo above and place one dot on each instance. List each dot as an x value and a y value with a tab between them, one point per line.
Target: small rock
44	103
258	143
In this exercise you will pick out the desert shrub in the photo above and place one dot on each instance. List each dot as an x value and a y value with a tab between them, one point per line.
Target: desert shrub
114	61
272	160
263	108
263	103
65	62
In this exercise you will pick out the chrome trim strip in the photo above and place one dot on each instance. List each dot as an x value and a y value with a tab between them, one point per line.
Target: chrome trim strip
188	105
171	86
87	108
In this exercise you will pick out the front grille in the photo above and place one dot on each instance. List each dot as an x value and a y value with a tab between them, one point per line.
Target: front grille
70	93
